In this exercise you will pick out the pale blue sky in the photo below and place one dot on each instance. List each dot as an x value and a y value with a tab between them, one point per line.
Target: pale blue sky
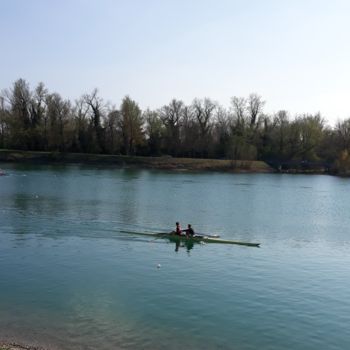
294	53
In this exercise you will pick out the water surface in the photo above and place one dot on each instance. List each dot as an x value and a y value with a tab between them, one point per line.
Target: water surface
70	279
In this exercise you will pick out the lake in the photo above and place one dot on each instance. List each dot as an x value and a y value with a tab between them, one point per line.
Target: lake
71	279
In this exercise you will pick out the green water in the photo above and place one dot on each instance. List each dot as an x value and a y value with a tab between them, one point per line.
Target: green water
69	279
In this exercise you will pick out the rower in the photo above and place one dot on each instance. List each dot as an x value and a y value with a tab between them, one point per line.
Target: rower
189	231
178	230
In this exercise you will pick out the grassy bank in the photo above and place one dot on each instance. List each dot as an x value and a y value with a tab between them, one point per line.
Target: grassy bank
165	162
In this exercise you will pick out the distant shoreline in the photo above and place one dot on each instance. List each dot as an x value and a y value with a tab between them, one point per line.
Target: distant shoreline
15	346
167	163
163	162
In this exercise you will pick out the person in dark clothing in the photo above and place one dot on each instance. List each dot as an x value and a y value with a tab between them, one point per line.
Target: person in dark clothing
189	231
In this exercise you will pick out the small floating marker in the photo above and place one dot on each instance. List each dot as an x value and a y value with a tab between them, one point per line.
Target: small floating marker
36	196
159	266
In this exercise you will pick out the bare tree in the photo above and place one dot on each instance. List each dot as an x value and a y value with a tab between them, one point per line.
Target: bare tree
281	120
154	130
239	112
342	130
37	105
172	115
97	108
255	106
221	135
81	125
38	118
189	132
58	111
18	99
203	111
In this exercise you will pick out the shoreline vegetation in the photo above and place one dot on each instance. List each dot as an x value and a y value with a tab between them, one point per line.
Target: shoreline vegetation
168	136
164	162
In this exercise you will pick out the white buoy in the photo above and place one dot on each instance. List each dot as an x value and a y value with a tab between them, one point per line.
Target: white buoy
159	266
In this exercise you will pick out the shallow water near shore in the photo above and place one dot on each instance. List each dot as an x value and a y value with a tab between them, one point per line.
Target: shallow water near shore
70	279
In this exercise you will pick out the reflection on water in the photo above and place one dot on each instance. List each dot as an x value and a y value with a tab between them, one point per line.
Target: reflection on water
185	244
71	279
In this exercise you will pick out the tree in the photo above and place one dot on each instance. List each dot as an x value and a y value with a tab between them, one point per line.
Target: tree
58	112
342	130
264	141
329	148
3	123
255	106
241	146
203	111
19	98
221	134
111	132
81	126
38	127
336	147
154	131
96	111
311	131
342	163
281	120
239	110
131	125
189	133
172	115
37	105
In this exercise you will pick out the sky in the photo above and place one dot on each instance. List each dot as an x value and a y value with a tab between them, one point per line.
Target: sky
294	53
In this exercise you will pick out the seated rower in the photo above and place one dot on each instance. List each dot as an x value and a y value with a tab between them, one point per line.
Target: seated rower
178	230
189	231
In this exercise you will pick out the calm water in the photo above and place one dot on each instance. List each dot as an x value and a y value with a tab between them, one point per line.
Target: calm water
69	279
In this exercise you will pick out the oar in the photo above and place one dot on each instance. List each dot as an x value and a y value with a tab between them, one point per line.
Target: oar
205	235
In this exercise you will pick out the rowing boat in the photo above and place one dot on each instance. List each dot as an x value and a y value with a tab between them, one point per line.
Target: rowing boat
195	239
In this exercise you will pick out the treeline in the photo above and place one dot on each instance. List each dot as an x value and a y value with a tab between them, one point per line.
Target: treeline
39	120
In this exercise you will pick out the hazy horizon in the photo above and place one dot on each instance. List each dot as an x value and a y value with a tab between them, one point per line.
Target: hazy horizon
290	53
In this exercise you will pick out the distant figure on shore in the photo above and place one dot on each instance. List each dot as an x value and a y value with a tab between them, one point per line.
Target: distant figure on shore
189	231
2	172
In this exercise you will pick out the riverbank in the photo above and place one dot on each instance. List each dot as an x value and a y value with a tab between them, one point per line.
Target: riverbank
13	346
165	162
